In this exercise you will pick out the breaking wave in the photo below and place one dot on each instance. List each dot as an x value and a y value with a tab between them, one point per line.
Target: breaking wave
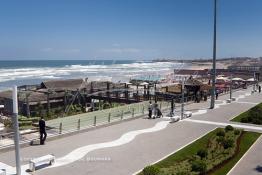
113	72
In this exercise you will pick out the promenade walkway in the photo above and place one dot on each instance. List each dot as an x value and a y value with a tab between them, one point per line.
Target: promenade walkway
251	162
127	147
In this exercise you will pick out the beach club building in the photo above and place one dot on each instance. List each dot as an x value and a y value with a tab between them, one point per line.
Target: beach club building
61	93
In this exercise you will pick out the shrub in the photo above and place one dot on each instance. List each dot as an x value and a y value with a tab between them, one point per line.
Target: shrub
228	143
199	166
7	123
32	119
202	153
151	170
182	173
25	123
237	132
256	111
254	115
20	117
249	119
229	128
257	121
106	106
221	133
220	139
244	120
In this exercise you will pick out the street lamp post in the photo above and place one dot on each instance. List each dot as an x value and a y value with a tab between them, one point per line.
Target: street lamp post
231	81
254	84
182	97
212	104
16	131
231	86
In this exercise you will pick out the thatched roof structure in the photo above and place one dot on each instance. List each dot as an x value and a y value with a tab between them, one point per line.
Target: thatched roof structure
6	95
71	84
33	96
56	89
193	82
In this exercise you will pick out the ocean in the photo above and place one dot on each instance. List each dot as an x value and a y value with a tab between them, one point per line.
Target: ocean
27	72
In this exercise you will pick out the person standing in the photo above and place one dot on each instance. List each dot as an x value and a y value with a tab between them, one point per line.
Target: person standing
259	89
150	110
42	131
205	96
154	110
216	94
159	113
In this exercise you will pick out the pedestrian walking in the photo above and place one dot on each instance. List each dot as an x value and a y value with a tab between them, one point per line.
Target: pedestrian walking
150	110
42	131
216	94
159	113
259	89
154	111
205	96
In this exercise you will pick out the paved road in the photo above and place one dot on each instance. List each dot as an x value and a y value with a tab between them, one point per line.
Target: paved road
142	150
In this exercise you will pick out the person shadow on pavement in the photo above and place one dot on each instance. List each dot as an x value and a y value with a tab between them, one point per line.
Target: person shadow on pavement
259	169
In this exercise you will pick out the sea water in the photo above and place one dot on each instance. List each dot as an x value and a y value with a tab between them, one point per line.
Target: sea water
27	72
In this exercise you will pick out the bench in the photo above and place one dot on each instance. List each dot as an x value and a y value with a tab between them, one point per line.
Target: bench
2	172
175	118
48	159
187	114
228	100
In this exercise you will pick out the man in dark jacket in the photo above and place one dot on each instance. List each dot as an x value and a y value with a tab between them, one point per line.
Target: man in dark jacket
150	110
42	131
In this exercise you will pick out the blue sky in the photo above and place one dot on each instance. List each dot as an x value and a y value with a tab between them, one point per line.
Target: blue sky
128	29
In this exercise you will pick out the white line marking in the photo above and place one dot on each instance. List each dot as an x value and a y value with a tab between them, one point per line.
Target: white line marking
79	153
124	139
225	124
199	112
245	102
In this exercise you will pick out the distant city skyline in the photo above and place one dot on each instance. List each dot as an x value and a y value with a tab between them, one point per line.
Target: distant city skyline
128	29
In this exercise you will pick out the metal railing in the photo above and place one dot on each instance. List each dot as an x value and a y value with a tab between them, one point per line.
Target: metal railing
79	122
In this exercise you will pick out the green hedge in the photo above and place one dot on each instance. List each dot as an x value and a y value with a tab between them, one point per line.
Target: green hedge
253	115
151	170
32	119
25	123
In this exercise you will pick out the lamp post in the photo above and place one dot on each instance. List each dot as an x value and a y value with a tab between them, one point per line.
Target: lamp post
254	84
231	86
182	97
212	104
231	81
16	131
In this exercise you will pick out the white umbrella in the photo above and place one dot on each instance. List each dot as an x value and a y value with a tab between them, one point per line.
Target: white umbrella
223	78
144	83
250	79
237	79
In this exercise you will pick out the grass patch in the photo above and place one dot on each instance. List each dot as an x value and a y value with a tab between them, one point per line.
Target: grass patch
240	117
189	150
247	140
252	116
211	154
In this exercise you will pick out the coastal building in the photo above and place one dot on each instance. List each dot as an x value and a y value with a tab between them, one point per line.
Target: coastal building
244	72
59	94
